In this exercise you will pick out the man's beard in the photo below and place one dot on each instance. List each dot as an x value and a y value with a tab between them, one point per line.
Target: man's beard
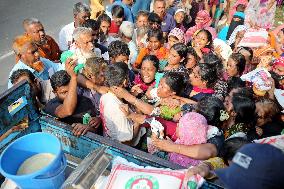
42	41
88	54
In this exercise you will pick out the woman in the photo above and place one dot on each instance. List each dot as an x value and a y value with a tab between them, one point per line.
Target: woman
260	14
175	36
241	112
236	36
146	78
202	42
202	21
191	59
236	65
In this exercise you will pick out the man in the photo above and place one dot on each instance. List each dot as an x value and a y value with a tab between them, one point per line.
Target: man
168	22
29	58
115	123
81	12
67	105
126	31
126	5
41	90
83	46
47	47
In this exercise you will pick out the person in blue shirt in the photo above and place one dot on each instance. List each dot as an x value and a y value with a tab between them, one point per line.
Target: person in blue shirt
29	57
126	4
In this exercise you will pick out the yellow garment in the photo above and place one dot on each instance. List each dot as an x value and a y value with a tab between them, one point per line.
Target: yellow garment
97	8
214	163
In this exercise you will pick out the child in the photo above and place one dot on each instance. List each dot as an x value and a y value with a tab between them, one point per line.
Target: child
104	22
191	59
176	35
117	13
155	47
176	57
179	18
192	129
202	42
236	65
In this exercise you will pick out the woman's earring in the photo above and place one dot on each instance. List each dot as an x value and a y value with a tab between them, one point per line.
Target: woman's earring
224	115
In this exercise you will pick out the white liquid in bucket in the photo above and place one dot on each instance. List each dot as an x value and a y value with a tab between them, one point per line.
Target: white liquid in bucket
35	163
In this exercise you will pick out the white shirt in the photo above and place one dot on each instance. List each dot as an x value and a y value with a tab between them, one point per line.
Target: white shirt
115	123
65	36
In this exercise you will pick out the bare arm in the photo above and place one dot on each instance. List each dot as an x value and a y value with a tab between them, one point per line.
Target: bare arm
70	102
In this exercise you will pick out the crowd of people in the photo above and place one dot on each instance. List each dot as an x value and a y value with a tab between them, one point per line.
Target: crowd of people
190	81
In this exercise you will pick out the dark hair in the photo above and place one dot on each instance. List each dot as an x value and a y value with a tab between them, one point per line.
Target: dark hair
241	8
117	11
282	30
91	23
59	79
240	60
235	82
154	18
191	51
16	75
214	61
209	37
175	81
157	34
274	108
117	48
210	108
231	146
208	74
152	58
181	49
250	51
116	74
103	17
244	107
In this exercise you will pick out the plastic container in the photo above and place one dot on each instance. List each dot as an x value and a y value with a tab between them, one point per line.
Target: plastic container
50	177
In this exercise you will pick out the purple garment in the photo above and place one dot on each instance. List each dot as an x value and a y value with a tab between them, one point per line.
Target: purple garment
168	23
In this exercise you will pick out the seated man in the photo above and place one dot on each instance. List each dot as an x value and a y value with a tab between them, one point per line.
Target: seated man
81	12
47	47
115	124
67	105
41	90
27	51
168	22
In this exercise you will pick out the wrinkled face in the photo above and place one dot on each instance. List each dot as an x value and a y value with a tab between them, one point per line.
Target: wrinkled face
142	21
148	71
61	92
232	68
164	90
30	55
174	58
195	78
86	43
37	33
122	58
82	17
191	61
160	8
179	17
104	27
154	43
200	40
118	21
172	40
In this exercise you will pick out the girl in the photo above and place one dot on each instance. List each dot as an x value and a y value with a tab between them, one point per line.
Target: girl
202	42
155	47
176	57
236	65
146	78
176	35
191	59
